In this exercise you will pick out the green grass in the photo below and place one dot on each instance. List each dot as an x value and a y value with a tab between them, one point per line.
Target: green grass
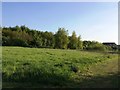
35	67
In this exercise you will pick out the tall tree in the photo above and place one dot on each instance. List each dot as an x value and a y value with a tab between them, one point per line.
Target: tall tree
79	43
61	38
73	41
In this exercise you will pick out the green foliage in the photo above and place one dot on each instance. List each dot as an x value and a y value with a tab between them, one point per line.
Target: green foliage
79	43
23	36
14	37
94	45
61	38
32	38
73	41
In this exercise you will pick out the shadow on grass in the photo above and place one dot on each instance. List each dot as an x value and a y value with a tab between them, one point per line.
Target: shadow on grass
42	79
35	78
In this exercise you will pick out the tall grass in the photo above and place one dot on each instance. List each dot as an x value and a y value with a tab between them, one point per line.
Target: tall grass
47	66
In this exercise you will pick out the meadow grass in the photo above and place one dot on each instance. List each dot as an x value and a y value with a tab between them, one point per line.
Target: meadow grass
48	67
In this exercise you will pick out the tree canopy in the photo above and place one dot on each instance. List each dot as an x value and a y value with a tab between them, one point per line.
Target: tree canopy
23	36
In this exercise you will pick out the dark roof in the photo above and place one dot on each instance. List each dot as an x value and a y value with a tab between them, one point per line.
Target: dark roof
109	43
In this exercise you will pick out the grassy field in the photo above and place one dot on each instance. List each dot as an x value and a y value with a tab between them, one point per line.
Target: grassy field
35	67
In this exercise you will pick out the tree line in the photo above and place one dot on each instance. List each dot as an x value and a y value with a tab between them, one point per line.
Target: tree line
25	37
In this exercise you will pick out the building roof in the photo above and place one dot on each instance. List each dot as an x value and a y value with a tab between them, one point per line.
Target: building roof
109	43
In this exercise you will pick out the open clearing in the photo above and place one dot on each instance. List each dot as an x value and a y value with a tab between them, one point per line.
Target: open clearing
36	67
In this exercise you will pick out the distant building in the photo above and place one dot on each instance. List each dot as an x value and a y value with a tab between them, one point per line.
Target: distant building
111	44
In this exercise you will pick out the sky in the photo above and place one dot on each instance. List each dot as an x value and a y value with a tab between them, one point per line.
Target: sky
96	21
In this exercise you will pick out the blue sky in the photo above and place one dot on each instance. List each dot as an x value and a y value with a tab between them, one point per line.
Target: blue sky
93	21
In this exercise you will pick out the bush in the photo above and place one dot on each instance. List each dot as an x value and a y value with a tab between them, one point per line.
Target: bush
6	41
92	45
19	42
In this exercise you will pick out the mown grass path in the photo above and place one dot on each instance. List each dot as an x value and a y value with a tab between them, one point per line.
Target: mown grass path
102	75
107	67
